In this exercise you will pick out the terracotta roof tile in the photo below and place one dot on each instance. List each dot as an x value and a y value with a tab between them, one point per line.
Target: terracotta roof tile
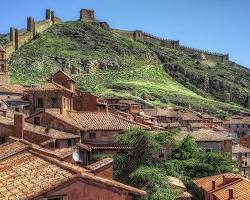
30	174
206	182
241	190
161	112
7	149
99	164
47	87
187	116
95	120
25	174
204	135
240	149
14	89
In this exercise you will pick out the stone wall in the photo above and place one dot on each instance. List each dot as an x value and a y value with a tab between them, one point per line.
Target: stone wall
19	38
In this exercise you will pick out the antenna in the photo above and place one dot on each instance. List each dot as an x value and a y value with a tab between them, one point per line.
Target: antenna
76	156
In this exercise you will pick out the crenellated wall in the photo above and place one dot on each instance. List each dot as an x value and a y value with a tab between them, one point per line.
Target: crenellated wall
18	38
139	35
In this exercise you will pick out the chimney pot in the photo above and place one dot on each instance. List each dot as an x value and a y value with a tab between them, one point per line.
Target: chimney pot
231	193
18	125
213	185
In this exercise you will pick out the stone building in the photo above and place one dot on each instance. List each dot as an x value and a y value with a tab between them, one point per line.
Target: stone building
237	126
242	154
3	67
60	92
30	173
13	96
209	140
222	187
94	128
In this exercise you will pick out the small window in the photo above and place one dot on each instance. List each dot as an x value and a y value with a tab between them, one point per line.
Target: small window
237	125
2	140
37	121
229	126
54	102
17	109
245	154
56	144
40	102
69	143
161	153
92	136
245	163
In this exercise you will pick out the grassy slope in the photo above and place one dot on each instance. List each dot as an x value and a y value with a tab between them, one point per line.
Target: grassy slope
138	72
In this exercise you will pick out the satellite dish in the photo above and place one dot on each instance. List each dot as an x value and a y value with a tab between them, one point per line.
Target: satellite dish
76	156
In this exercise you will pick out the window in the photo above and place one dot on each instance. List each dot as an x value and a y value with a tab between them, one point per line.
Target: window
161	153
243	126
229	126
37	121
54	102
245	154
17	109
237	125
69	143
92	136
245	163
40	102
56	144
2	140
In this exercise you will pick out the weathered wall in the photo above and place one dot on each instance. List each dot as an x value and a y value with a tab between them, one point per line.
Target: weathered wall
89	191
19	38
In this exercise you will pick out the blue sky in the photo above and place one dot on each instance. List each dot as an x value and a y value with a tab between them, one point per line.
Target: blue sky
214	25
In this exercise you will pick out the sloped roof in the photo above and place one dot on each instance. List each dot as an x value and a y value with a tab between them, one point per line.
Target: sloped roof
240	149
206	182
204	135
99	164
62	72
30	174
187	116
48	87
198	125
95	120
7	149
12	89
241	190
161	112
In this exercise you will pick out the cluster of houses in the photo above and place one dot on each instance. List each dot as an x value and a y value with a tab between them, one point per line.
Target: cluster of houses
53	135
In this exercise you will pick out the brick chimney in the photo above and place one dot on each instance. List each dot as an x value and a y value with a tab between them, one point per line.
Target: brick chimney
213	184
18	125
230	193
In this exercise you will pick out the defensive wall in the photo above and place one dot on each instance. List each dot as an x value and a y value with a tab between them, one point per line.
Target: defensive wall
17	38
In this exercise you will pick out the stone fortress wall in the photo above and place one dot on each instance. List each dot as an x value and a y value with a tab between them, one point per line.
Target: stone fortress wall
17	38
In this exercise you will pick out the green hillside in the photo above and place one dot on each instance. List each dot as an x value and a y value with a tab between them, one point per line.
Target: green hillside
118	66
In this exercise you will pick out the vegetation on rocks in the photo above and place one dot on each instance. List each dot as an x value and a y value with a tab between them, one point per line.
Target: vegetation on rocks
112	65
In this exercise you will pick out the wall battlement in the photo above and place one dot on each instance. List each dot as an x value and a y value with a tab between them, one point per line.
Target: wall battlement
18	38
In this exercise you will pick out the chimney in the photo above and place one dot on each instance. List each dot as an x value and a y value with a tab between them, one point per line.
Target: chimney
213	184
18	125
224	179
231	193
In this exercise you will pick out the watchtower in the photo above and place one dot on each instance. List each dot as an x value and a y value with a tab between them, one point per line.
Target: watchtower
87	15
3	66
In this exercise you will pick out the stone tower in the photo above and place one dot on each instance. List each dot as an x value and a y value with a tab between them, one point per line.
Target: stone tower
87	15
3	66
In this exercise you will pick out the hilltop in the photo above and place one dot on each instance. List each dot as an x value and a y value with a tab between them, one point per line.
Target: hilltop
108	63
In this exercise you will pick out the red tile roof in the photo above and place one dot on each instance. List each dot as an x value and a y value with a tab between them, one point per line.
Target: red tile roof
206	182
99	164
240	149
48	87
161	112
30	174
95	120
188	116
7	149
204	135
13	89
